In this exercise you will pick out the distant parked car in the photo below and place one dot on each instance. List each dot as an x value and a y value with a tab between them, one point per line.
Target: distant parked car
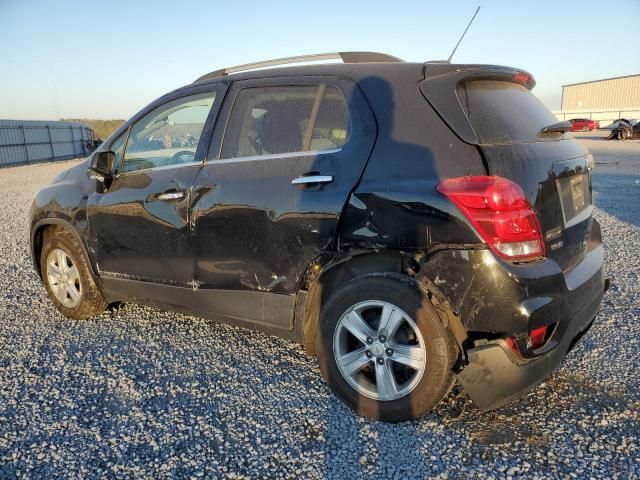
624	130
621	121
583	125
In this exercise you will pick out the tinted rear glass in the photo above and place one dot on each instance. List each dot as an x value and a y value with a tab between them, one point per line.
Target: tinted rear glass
504	112
288	119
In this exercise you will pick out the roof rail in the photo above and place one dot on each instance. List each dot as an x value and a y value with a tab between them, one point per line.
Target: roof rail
346	57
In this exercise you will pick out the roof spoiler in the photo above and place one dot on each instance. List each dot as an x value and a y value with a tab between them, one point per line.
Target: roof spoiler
464	72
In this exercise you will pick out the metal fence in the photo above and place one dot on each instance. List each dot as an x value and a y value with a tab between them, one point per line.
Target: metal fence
40	141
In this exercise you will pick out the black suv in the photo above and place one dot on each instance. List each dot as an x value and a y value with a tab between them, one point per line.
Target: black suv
408	223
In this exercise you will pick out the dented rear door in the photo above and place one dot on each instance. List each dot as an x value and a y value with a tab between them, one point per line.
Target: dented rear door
260	218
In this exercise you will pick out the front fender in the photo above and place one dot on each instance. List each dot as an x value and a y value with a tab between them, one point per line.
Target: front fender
62	203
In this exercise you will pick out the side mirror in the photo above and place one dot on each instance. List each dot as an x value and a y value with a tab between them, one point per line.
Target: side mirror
103	165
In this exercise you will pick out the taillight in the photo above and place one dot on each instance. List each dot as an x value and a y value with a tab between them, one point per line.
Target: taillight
500	212
512	343
537	337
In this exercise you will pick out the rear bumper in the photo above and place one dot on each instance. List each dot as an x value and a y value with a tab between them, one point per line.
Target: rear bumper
492	378
502	299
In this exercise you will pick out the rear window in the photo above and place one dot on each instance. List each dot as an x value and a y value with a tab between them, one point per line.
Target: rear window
504	112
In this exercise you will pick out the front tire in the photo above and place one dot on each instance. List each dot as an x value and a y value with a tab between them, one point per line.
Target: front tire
67	276
383	349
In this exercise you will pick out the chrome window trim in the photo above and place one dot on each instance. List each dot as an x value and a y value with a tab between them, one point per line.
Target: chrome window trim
155	169
271	156
251	158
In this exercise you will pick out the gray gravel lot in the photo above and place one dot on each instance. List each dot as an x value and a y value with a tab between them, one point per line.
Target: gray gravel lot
143	393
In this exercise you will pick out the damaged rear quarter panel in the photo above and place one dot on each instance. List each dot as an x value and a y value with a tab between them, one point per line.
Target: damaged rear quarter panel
396	204
490	295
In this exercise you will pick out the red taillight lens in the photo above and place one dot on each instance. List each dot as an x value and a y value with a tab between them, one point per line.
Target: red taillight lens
512	343
537	337
500	212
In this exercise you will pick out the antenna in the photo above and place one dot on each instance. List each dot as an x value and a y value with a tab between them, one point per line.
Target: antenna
463	34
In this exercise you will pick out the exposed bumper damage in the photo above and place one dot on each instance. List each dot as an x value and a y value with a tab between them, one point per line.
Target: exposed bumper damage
493	379
494	299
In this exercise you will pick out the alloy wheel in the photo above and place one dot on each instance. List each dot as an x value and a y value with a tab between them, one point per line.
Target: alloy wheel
379	350
63	278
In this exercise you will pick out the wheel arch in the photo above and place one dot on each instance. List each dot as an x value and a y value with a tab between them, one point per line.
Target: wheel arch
37	238
319	285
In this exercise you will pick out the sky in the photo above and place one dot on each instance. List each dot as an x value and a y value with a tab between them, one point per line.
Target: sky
108	59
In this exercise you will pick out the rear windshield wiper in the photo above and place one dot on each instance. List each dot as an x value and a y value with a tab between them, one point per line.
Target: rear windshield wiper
560	127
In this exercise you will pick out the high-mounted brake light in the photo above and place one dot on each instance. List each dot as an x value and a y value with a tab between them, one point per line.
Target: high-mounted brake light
500	212
523	78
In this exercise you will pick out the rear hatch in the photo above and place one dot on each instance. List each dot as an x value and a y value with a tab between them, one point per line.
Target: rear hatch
493	108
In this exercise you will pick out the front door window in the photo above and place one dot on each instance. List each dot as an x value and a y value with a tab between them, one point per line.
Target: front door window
168	135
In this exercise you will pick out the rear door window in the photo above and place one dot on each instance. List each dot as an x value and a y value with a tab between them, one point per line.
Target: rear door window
504	112
279	120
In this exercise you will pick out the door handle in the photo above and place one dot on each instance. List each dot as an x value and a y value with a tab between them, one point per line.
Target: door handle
171	195
312	179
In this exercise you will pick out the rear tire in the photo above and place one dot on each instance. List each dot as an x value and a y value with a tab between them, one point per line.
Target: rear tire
401	327
67	276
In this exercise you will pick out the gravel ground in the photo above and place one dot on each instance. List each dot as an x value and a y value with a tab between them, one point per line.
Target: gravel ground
143	393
